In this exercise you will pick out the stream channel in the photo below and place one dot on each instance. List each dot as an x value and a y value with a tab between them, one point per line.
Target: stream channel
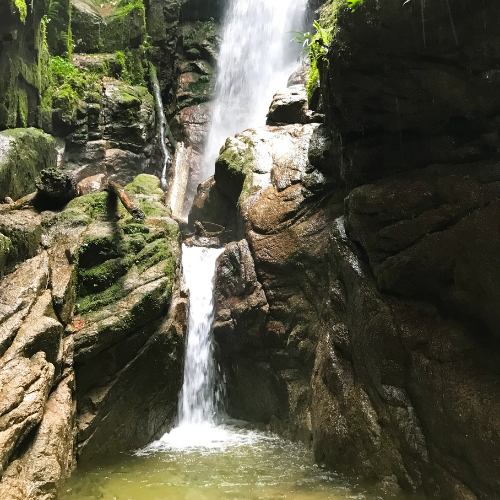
208	456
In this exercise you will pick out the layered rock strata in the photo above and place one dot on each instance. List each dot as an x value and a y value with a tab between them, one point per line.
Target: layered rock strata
88	327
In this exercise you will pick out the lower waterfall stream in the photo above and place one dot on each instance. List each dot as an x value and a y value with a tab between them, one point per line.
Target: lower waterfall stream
208	456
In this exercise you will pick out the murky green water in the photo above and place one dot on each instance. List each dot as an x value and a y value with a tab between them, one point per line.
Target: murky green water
208	463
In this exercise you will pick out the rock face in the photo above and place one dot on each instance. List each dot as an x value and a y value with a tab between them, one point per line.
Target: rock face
88	327
360	296
24	154
24	59
115	136
100	27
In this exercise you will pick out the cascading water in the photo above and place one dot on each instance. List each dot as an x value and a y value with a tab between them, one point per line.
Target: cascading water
163	128
256	57
199	391
202	459
198	402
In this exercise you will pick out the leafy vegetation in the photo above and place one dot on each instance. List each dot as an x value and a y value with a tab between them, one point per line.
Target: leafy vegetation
70	85
316	46
22	8
354	3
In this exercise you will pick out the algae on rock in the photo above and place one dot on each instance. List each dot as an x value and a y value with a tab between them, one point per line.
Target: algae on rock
25	153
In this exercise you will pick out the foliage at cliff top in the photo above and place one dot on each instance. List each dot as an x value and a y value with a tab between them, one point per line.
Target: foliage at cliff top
317	47
22	8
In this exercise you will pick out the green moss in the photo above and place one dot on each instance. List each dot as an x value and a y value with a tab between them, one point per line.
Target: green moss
75	217
25	153
136	242
145	184
236	156
22	115
22	8
312	79
124	7
106	273
134	228
96	250
94	206
66	99
121	63
101	277
70	84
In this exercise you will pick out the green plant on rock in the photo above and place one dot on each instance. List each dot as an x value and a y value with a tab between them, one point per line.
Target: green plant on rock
354	3
70	85
22	8
316	47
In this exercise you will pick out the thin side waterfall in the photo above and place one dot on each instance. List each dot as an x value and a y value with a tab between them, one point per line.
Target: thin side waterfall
255	60
163	126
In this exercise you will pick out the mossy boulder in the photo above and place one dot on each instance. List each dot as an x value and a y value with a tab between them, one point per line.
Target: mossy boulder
232	166
108	26
126	269
24	154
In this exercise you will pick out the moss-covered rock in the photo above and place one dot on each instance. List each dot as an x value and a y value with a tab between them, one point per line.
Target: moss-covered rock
100	27
25	72
24	154
232	166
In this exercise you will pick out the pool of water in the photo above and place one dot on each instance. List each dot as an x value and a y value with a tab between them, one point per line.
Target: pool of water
207	462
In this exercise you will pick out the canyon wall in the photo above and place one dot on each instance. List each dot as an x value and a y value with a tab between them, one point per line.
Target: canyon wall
357	310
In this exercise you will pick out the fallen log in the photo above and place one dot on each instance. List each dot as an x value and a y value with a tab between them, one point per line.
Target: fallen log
131	207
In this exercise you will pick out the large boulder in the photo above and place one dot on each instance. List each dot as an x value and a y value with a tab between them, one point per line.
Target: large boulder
24	154
370	357
101	305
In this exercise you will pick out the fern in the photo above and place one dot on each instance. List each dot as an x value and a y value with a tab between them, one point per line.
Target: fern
54	11
316	47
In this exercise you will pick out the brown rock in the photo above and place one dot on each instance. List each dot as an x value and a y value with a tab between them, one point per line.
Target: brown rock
20	289
24	386
39	473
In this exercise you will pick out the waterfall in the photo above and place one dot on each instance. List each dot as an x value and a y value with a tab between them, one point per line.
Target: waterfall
198	395
163	127
256	57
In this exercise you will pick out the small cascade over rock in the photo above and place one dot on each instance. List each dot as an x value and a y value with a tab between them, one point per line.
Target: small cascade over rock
163	131
256	58
198	401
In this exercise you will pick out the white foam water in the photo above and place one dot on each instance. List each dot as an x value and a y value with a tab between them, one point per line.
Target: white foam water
199	394
162	125
256	58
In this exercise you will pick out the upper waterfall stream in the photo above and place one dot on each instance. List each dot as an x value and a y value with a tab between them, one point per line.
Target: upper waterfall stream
256	58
